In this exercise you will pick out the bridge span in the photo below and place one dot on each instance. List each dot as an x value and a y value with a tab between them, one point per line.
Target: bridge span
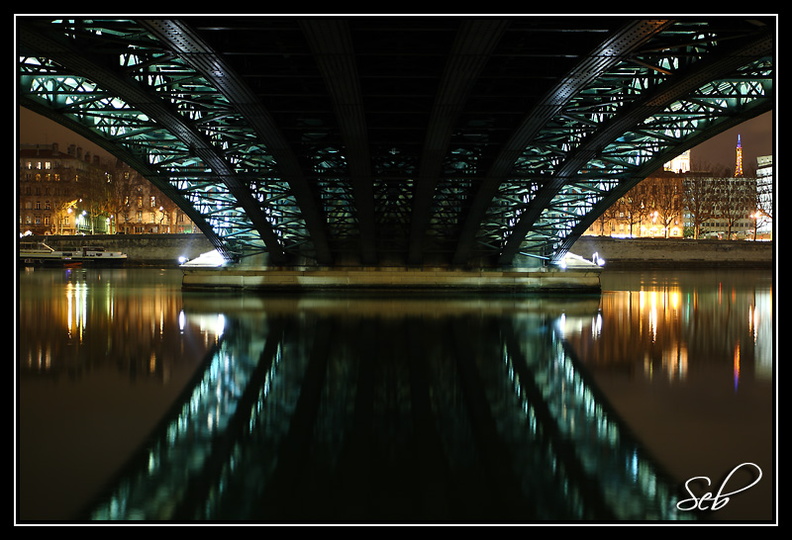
453	142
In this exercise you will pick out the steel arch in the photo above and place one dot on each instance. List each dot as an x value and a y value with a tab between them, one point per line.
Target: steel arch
176	122
626	148
402	140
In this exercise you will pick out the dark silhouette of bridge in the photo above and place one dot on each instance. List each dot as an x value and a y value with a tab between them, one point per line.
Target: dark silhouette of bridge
310	411
442	140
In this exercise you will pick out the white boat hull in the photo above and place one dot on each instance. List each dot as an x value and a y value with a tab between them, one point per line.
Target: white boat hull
44	255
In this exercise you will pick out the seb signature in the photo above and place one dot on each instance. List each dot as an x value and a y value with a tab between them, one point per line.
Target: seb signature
716	501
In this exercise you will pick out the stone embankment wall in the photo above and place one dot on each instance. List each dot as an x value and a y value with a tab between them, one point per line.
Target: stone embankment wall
675	253
165	249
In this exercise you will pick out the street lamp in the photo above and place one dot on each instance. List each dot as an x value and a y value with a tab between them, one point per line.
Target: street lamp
755	216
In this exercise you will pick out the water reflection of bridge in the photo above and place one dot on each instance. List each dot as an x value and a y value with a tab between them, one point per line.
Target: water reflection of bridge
391	411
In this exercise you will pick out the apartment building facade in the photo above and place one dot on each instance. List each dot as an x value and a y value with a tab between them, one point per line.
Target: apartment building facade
74	192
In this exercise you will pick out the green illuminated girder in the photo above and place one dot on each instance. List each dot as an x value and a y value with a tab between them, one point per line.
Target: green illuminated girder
166	112
163	101
393	197
449	202
626	161
334	191
79	105
635	115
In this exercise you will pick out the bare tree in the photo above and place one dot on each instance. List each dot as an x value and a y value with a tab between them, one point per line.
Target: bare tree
609	217
122	186
97	197
667	201
698	197
61	209
637	206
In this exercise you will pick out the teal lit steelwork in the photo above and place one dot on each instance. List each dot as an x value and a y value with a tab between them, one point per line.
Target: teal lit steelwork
412	141
180	131
613	132
624	162
226	446
162	476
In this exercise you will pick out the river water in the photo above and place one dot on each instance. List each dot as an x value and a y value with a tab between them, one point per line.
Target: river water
684	360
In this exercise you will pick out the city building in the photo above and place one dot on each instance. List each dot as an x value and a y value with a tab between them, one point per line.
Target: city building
140	208
680	164
679	202
764	190
730	204
692	205
74	192
53	186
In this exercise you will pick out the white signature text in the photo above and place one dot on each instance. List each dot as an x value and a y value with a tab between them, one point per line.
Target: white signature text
716	501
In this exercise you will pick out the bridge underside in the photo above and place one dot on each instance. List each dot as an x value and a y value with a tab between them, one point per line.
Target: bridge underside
453	141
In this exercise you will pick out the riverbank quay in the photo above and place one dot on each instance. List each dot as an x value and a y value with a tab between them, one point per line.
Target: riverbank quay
622	253
677	253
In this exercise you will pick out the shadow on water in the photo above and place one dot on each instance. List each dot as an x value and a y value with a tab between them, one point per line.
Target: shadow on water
390	410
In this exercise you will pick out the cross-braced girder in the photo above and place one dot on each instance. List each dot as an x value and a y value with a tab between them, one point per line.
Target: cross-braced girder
396	140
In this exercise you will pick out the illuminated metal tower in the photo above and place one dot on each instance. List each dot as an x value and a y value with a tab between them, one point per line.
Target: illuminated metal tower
738	168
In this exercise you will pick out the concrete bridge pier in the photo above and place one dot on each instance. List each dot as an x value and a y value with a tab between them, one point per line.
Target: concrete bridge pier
581	276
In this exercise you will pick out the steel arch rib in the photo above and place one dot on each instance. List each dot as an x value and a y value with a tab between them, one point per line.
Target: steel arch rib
472	48
80	61
186	43
331	44
609	53
645	170
143	168
668	92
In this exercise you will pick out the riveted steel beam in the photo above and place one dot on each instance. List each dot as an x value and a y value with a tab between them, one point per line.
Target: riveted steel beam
113	80
676	87
472	48
188	44
613	50
333	51
396	140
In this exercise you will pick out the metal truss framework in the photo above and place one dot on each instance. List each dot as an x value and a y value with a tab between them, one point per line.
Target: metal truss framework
398	140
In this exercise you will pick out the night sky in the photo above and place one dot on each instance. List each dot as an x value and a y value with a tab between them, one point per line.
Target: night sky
756	136
757	140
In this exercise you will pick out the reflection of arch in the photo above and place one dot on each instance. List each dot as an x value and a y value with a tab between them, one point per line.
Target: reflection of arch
290	387
237	128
